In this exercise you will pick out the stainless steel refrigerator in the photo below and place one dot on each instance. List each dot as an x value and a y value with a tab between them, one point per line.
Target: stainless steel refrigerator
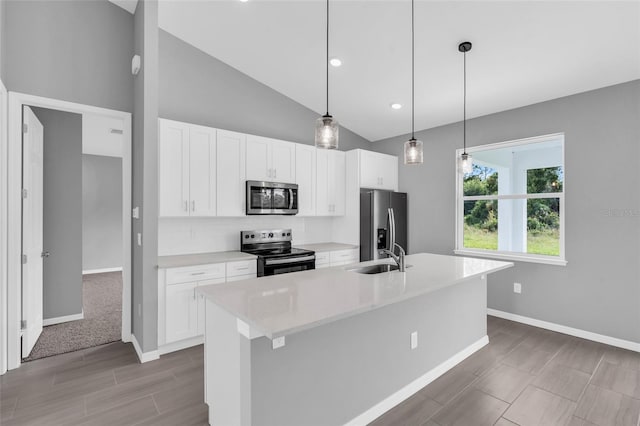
375	223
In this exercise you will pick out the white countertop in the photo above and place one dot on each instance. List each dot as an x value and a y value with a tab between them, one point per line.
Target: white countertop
323	247
202	259
284	304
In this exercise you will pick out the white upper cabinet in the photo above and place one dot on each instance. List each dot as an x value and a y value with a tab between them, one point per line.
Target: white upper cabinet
231	174
270	159
330	183
173	170
378	171
202	171
306	179
187	169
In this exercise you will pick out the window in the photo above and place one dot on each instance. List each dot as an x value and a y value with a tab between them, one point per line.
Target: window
511	204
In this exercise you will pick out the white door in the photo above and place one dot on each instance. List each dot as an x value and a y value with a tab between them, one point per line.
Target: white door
283	161
230	169
202	171
32	230
258	158
173	171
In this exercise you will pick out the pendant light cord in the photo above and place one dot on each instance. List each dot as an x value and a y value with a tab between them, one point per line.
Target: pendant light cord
413	68
327	57
464	105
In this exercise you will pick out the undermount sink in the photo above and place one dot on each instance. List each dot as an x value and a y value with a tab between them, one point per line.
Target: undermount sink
376	269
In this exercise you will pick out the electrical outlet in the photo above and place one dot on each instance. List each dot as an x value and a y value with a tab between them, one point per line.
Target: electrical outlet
517	288
414	340
136	213
139	239
278	342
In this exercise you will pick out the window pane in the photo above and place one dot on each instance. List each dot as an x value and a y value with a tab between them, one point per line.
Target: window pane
548	179
543	226
481	224
481	181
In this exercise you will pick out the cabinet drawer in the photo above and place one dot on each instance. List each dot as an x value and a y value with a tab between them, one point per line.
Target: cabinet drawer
195	273
241	277
243	267
322	258
344	256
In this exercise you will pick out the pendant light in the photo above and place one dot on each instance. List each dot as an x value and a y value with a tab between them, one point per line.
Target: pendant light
413	147
326	126
466	162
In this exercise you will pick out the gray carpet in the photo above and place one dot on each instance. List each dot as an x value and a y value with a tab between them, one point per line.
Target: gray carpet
102	301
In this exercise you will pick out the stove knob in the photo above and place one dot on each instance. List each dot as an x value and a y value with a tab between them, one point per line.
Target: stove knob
288	234
284	235
253	235
246	236
270	234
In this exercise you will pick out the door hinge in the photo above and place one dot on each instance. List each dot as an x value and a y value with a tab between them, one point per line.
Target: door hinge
23	324
24	193
25	128
24	259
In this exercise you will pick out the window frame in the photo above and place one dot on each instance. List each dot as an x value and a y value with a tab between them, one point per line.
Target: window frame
559	260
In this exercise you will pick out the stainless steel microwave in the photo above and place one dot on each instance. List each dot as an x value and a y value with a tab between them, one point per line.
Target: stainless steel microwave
272	198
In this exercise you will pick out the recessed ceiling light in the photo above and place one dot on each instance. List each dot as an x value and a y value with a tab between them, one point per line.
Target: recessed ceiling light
396	106
336	62
243	1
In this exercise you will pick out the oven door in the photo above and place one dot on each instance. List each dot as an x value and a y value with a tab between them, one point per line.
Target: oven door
284	265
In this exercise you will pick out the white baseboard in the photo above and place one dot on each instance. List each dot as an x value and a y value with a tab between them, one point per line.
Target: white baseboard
180	345
143	356
60	320
600	338
101	271
396	398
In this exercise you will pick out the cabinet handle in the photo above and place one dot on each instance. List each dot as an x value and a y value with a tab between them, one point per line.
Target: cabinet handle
193	205
186	206
194	294
198	273
269	172
275	173
244	268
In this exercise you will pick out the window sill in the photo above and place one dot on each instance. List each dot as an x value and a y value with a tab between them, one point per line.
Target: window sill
547	260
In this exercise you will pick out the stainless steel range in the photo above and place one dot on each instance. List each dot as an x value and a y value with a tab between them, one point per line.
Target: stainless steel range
274	251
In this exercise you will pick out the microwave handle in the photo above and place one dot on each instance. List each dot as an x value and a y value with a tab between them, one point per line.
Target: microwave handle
290	198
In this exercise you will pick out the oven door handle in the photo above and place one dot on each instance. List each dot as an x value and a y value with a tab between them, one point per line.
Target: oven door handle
291	260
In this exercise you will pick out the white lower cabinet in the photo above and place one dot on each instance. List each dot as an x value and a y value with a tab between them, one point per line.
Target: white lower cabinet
336	258
181	316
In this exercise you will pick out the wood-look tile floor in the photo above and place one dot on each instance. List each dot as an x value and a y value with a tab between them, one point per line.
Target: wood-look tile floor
525	376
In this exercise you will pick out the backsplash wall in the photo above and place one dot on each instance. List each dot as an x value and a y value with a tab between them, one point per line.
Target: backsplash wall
202	235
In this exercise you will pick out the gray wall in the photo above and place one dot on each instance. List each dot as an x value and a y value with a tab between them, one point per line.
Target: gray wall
62	212
77	51
197	88
145	178
3	27
598	290
101	212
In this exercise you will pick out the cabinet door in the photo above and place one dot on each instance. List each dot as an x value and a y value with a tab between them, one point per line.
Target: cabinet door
202	171
181	312
369	170
283	161
323	207
258	161
173	170
388	172
231	177
337	182
201	304
306	179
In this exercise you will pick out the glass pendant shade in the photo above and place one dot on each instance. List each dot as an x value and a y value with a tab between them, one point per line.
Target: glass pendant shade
327	132
413	152
466	163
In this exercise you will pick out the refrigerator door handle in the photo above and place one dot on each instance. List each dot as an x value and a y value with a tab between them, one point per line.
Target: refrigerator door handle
392	229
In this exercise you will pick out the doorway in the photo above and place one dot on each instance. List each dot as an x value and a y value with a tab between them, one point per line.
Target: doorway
18	332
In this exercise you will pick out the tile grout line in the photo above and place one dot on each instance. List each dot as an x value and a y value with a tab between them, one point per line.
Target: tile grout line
588	383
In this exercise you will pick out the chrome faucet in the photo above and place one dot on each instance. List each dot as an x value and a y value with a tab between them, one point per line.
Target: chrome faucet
399	259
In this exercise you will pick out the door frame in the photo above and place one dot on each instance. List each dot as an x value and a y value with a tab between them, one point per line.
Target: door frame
13	164
3	227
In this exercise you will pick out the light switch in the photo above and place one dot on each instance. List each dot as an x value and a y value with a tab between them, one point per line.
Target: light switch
139	239
278	342
414	340
136	213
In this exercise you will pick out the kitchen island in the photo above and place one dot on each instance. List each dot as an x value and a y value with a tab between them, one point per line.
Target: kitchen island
334	346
